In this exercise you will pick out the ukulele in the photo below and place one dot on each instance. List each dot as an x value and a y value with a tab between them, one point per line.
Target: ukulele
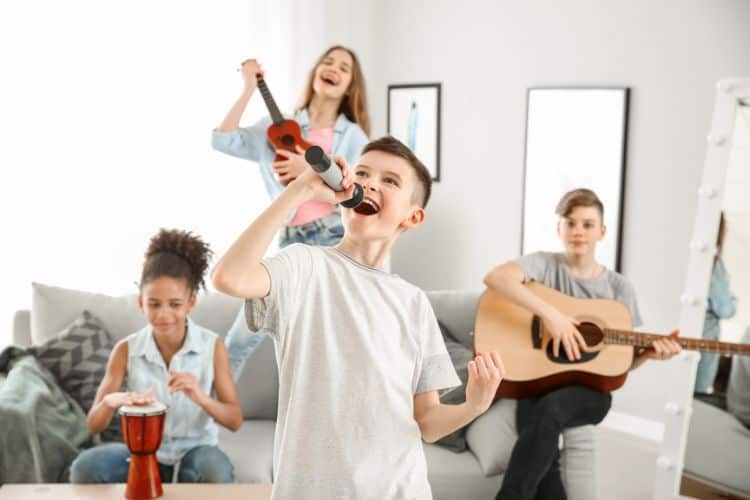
532	369
282	133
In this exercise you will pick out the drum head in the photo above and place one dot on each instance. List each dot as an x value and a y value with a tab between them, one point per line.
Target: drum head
155	408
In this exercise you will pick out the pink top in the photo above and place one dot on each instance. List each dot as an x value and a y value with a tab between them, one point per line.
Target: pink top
313	210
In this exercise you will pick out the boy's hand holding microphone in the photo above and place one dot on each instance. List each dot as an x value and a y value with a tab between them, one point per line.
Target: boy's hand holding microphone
331	181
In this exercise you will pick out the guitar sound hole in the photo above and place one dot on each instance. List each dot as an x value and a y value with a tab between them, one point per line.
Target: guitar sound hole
562	358
591	334
287	140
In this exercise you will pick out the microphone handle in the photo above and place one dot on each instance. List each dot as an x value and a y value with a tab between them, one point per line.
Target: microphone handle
331	174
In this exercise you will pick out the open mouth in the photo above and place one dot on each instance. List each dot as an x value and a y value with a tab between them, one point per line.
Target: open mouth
367	207
329	79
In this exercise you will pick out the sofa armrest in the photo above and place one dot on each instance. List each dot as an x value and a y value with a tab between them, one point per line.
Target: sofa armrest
22	328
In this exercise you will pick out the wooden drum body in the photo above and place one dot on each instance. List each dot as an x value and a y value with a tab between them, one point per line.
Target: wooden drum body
142	431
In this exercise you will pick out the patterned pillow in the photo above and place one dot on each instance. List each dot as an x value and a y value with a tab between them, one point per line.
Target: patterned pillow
77	357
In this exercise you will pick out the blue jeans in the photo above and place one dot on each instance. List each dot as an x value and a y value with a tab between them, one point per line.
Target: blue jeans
108	463
325	232
708	366
241	343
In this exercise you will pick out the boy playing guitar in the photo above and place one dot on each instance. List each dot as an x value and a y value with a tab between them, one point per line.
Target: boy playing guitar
533	470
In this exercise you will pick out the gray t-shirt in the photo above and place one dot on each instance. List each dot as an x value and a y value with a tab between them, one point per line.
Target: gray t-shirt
354	345
550	269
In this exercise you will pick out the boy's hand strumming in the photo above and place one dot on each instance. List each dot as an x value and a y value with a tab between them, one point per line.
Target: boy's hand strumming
486	371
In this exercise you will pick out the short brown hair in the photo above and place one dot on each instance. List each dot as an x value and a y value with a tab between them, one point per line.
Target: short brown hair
391	145
579	198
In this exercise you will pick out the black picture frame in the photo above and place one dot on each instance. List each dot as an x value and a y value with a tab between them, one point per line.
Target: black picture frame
429	96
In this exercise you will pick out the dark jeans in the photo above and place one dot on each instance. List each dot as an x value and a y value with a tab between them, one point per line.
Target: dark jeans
534	468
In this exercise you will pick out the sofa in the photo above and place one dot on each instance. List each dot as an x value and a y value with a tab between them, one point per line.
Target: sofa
717	456
475	473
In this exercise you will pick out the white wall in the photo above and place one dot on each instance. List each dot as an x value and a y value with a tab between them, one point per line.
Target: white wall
106	114
486	54
107	111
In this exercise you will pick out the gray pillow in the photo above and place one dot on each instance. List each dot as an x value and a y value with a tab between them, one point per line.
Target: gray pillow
77	357
492	436
460	355
258	384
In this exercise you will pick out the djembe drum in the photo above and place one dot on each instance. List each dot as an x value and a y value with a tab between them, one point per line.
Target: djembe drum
142	430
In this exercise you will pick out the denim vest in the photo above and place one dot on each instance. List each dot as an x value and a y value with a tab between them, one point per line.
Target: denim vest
251	143
187	425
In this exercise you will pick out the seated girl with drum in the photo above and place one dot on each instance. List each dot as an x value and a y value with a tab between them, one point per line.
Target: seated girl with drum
172	360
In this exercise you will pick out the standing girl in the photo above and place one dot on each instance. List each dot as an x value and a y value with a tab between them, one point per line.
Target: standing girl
332	114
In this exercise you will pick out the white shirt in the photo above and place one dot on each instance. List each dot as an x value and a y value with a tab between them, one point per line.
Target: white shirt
354	345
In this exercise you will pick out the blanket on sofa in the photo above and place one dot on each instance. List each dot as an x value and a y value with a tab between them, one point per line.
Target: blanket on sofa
42	429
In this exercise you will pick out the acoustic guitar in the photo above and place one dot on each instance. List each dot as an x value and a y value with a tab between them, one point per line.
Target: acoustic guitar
526	347
282	133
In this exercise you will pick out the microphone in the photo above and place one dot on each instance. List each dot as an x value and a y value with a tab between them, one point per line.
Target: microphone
331	174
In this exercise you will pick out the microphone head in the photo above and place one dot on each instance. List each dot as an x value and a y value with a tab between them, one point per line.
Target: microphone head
317	158
356	199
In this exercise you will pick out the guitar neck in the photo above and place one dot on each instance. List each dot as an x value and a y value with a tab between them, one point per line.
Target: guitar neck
273	109
624	337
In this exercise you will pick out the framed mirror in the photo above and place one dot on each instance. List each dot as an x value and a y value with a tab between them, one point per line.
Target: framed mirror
706	448
575	138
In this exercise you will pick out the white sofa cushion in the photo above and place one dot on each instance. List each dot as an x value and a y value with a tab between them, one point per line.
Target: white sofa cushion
251	450
53	308
492	435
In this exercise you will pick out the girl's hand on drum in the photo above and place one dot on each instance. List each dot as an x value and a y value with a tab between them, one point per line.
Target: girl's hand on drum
185	382
117	399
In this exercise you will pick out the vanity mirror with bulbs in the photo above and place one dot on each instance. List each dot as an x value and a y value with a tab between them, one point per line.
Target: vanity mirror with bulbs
705	452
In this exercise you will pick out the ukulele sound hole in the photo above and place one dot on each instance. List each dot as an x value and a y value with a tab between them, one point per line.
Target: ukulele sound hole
287	140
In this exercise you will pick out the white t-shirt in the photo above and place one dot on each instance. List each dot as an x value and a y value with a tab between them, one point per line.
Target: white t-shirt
353	345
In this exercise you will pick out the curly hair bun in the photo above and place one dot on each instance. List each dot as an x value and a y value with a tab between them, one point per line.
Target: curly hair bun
178	254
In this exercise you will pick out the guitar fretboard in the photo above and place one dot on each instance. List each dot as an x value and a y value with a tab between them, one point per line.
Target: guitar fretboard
273	110
624	337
